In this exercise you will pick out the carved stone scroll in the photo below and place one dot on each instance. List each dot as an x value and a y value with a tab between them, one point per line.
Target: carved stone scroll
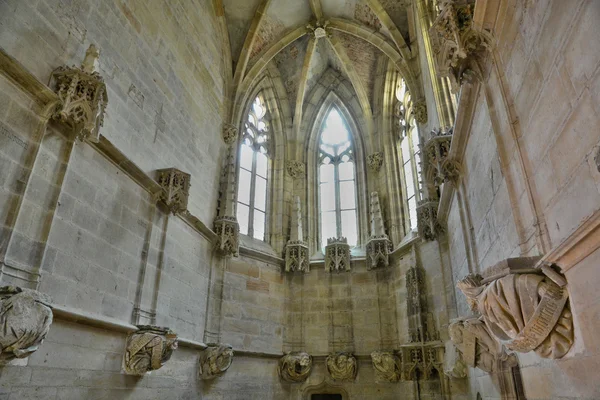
25	319
148	349
375	161
295	367
387	365
83	97
176	189
524	311
215	361
342	366
337	255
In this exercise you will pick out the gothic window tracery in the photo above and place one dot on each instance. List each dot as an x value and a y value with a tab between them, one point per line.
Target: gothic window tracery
410	152
253	170
337	181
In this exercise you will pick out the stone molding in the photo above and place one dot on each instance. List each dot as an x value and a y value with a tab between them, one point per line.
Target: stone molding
295	367
428	224
148	349
25	319
457	46
228	236
337	255
83	96
230	134
295	169
342	366
375	161
215	360
535	313
176	189
420	112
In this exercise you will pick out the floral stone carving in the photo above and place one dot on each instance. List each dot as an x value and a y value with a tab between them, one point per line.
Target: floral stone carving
375	161
83	97
523	308
427	221
148	349
230	134
295	367
337	255
215	360
176	189
295	169
420	112
438	164
342	366
458	47
387	365
25	319
228	235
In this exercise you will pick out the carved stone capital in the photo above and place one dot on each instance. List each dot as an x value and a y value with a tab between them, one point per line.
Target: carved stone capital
25	319
230	134
457	46
295	367
534	302
337	255
148	349
83	97
387	366
296	169
378	249
176	189
375	161
420	112
215	361
228	236
341	366
297	257
427	221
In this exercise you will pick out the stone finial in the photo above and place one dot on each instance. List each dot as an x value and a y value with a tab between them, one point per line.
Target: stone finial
457	46
176	189
295	367
523	307
342	366
296	250
387	366
379	245
337	255
25	319
429	226
226	225
377	228
148	349
215	361
83	97
230	134
295	169
375	161
420	112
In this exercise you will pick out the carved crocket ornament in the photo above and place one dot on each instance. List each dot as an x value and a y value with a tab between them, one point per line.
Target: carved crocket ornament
215	360
295	367
523	311
148	349
341	366
25	319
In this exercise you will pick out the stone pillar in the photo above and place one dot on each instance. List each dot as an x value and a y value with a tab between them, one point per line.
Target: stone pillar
226	225
148	349
379	245
296	250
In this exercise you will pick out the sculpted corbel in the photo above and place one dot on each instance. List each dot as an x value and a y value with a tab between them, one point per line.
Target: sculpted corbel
341	366
387	365
295	367
148	349
215	360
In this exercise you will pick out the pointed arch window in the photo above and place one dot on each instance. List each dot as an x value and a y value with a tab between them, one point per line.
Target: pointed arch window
410	152
337	181
254	163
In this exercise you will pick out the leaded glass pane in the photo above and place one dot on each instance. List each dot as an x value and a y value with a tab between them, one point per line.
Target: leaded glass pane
326	173
243	213
349	226
244	186
346	171
259	225
328	226
260	193
328	196
262	163
246	157
347	195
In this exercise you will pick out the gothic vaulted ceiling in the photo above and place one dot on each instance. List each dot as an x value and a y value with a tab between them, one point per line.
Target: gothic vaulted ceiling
281	33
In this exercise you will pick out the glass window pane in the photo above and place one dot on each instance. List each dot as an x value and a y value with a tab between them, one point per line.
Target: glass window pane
260	193
246	157
405	150
415	139
262	163
326	173
334	131
328	227
349	226
410	183
346	171
243	213
327	196
347	195
412	211
244	186
259	225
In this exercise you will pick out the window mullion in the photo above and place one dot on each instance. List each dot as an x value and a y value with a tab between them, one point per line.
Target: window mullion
338	205
413	164
252	195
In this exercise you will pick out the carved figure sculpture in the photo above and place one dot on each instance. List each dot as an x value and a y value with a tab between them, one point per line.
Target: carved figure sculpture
148	349
524	311
295	367
215	360
25	319
475	343
342	366
387	365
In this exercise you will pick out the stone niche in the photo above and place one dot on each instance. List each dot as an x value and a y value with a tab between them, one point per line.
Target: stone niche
295	367
148	349
25	319
215	361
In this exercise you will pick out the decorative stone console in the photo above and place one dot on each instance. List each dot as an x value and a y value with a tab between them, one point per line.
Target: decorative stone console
439	168
25	319
215	361
296	250
430	227
295	367
342	366
148	349
379	245
337	255
176	189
